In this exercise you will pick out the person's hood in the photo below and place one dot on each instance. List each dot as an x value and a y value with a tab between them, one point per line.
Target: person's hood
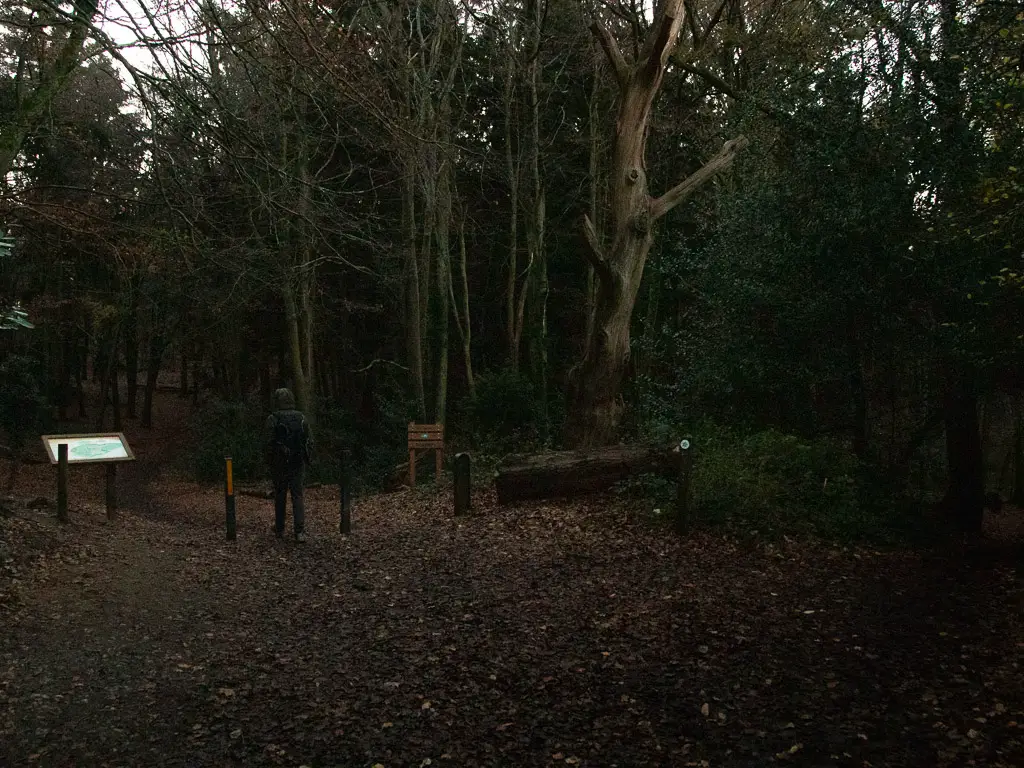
284	400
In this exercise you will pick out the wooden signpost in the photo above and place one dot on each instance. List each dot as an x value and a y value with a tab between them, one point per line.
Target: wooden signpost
425	437
682	517
110	448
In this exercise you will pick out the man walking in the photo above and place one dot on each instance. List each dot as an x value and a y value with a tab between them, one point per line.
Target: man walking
289	443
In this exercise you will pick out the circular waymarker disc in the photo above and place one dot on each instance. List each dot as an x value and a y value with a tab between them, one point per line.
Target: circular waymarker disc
684	445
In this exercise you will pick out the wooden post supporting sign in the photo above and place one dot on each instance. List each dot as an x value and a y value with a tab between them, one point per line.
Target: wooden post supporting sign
62	482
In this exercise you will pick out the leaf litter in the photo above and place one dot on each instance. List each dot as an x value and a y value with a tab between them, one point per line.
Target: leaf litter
568	633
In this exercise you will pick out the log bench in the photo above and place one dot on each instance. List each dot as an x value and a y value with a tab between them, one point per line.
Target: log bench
570	473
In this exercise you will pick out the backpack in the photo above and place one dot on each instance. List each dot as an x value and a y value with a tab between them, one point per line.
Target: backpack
290	449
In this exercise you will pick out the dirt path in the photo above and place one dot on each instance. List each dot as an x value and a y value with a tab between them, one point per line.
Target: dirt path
541	635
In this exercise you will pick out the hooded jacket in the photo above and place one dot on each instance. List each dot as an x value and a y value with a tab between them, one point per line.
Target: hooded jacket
289	420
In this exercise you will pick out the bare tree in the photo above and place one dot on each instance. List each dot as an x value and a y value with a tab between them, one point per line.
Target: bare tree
595	407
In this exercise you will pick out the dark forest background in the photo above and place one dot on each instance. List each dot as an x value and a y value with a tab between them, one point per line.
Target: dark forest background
379	205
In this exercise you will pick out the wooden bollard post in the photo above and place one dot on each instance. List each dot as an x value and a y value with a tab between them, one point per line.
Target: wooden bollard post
345	523
229	499
111	491
62	482
462	495
683	487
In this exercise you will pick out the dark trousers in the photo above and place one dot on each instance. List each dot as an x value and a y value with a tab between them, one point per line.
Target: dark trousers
292	482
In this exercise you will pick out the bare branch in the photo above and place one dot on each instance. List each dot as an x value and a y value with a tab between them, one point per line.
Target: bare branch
719	83
685	189
779	116
715	17
692	22
594	252
661	38
378	361
611	50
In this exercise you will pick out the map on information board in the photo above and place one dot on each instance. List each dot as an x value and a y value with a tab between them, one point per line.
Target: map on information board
85	449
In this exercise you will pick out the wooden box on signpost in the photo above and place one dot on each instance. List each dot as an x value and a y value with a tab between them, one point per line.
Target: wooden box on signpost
425	437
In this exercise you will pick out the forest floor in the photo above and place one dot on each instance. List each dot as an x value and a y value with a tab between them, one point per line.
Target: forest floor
544	634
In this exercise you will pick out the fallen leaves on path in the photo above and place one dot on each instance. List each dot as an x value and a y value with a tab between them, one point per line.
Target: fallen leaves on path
549	634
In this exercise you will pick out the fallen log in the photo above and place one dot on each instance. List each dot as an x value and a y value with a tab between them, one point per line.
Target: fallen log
569	473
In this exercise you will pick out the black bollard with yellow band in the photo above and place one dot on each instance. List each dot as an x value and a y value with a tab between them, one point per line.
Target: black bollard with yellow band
229	499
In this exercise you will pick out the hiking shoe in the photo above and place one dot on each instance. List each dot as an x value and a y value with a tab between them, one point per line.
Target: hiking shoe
300	537
277	533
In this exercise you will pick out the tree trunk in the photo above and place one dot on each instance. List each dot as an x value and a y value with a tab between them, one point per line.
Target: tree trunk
307	344
595	385
198	376
106	359
307	285
442	226
462	314
64	385
1018	451
414	315
131	364
567	473
594	156
965	496
537	225
183	377
266	383
156	351
81	376
115	394
291	314
512	329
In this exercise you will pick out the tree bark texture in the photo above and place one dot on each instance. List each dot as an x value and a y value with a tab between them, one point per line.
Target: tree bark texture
463	319
413	313
595	404
512	166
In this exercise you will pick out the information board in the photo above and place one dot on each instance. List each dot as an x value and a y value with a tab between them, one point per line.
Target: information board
90	449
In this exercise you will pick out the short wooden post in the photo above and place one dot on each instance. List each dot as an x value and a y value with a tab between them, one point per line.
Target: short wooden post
229	499
683	487
438	458
345	524
62	482
111	491
412	467
462	495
